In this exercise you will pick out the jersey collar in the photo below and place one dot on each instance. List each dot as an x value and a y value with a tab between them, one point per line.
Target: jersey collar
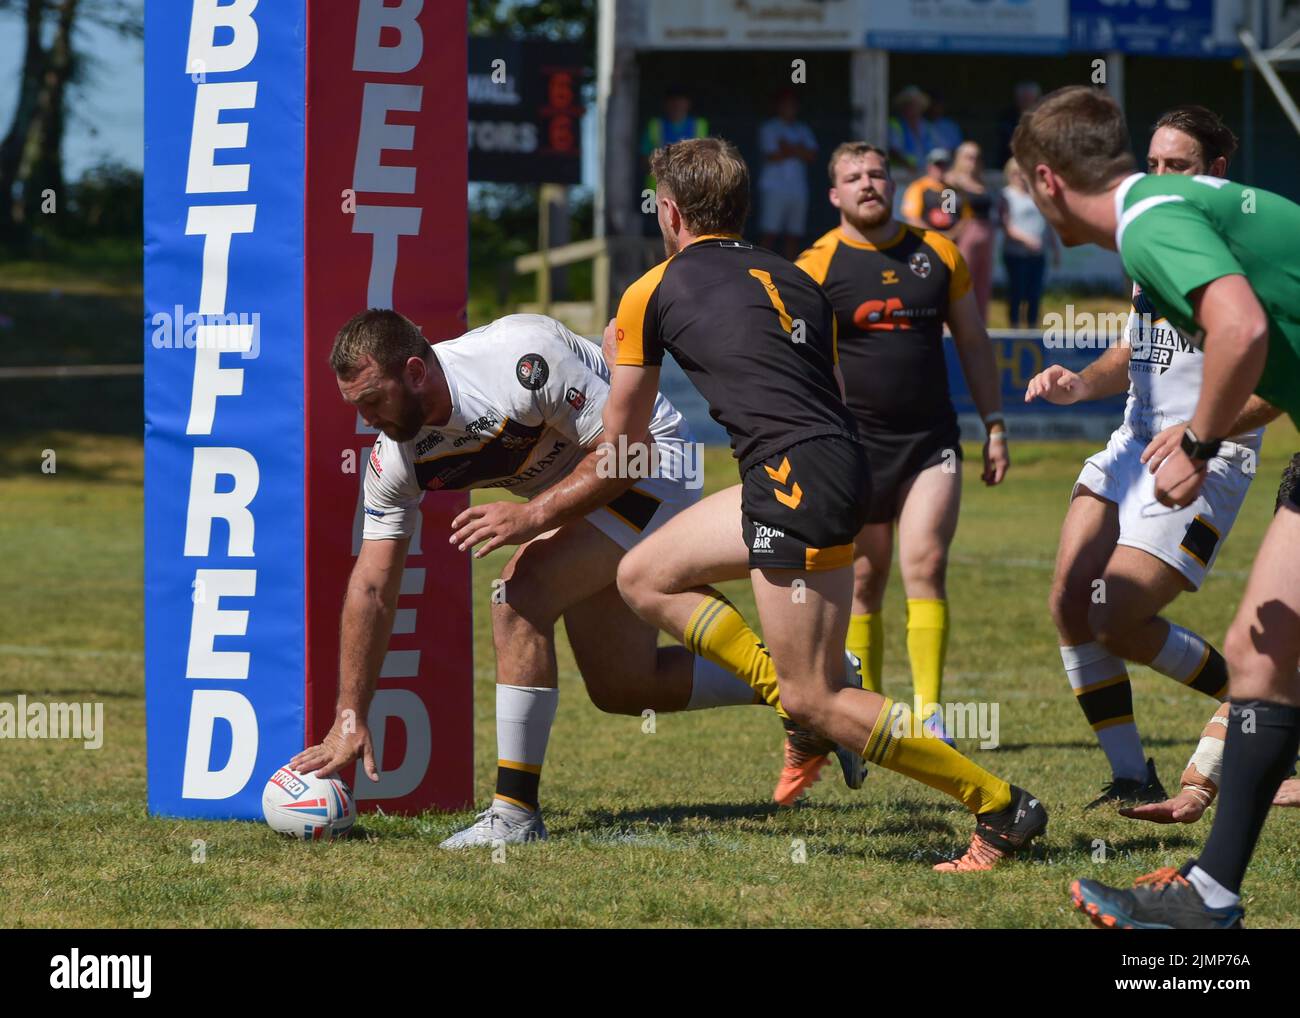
1121	193
865	245
713	236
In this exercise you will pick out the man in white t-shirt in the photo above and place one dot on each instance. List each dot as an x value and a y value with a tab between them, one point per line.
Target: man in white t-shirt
788	145
516	404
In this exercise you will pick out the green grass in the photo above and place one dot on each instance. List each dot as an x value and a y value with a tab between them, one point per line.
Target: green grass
670	829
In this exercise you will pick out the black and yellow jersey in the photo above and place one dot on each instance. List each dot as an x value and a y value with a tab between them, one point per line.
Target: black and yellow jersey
890	303
753	333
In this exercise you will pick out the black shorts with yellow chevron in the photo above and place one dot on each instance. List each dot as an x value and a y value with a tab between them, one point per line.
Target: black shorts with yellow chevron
802	507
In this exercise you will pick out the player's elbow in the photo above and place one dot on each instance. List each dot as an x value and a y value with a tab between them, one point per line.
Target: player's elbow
1245	335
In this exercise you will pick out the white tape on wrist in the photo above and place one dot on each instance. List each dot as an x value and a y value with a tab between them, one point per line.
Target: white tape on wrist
1208	758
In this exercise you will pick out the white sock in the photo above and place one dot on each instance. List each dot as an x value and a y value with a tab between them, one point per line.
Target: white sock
1090	666
1181	656
714	686
524	717
1213	893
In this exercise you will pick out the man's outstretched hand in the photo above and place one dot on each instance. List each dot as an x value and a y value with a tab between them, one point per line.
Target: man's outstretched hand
347	740
1184	808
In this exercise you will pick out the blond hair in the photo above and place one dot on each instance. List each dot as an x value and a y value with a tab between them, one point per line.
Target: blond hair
708	180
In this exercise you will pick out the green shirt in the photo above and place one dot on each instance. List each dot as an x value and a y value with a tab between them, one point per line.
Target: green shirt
1178	233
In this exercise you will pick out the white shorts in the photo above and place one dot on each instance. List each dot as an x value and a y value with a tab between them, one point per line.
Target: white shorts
1188	539
652	502
782	211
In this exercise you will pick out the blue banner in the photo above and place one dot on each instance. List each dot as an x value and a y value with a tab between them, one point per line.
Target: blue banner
1183	28
224	479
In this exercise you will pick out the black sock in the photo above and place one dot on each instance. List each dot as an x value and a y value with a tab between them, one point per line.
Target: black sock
1212	679
1261	747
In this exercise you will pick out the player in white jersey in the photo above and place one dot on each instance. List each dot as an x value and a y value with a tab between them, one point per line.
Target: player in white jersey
1115	532
516	404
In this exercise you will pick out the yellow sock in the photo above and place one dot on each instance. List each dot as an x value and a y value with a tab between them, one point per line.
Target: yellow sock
927	646
719	633
895	742
867	642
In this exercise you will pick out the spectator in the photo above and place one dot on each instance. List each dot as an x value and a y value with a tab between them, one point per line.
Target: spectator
909	131
1025	95
787	145
976	236
675	124
929	203
944	132
1027	239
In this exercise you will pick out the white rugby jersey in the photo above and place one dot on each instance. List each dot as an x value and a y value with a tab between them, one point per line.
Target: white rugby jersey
1164	370
526	396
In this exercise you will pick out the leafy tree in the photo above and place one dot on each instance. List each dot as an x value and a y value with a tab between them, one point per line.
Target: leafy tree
31	159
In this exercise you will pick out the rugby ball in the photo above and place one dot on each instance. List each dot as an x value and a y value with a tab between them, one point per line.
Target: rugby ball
307	807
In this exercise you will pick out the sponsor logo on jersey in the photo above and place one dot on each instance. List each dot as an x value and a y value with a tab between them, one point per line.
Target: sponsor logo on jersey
764	536
1154	342
919	263
890	314
576	399
509	441
888	277
429	441
484	423
374	458
475	428
532	371
380	513
538	468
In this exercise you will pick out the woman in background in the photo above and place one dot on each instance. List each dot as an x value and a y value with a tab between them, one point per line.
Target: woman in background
1026	241
975	238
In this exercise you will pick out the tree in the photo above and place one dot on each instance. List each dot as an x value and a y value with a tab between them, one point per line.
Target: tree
31	153
571	20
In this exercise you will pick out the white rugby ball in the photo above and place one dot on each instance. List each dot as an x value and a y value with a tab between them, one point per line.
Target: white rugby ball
308	807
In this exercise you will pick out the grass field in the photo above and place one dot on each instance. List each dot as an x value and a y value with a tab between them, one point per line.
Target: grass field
664	829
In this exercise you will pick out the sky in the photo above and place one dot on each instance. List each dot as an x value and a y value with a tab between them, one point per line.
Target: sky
106	111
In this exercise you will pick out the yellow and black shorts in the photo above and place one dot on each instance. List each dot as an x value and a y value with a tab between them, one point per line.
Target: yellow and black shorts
802	507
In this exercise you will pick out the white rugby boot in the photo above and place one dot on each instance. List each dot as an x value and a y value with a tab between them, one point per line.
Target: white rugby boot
500	824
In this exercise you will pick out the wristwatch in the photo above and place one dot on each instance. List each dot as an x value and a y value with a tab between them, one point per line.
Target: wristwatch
1198	450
